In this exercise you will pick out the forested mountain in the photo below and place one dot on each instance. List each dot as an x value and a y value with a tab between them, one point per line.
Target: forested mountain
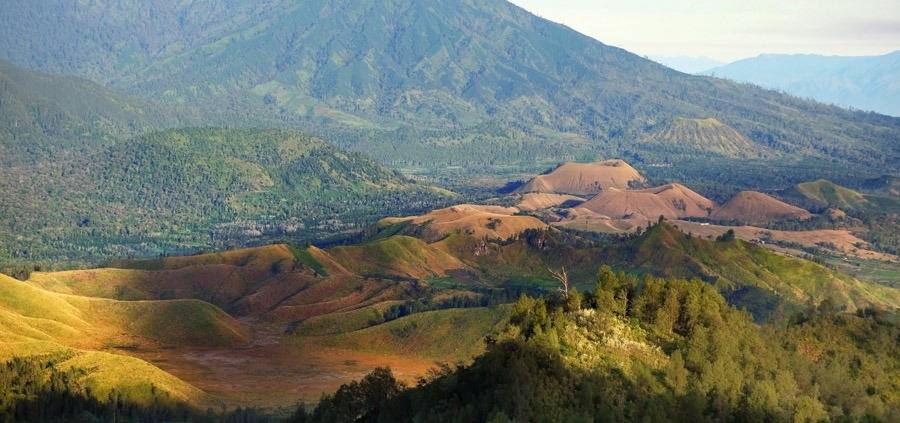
43	115
420	81
861	82
179	190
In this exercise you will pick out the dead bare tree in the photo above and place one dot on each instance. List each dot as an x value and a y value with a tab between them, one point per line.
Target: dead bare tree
563	279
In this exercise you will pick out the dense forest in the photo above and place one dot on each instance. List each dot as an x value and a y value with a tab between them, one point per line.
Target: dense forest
179	191
649	350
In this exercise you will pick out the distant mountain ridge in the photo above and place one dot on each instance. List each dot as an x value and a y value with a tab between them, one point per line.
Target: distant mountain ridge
861	82
417	81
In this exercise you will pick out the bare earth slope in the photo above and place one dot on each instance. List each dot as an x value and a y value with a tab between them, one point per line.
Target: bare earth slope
671	201
493	222
585	178
756	207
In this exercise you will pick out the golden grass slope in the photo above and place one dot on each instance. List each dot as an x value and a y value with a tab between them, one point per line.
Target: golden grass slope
671	201
756	207
94	322
585	178
491	222
34	321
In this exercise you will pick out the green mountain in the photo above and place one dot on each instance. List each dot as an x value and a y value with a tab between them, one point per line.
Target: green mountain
43	115
420	82
181	190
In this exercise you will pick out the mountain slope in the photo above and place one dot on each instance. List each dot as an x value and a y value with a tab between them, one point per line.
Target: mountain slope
707	135
861	82
42	115
424	75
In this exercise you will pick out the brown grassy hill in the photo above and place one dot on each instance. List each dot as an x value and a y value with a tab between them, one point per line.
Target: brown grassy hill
492	222
278	283
541	200
672	201
705	135
244	257
756	207
585	178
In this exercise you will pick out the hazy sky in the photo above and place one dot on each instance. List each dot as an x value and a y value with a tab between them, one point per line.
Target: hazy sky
727	30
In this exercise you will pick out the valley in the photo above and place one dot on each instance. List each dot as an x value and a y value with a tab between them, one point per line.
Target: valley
290	323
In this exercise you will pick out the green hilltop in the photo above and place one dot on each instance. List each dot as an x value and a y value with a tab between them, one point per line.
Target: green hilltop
822	193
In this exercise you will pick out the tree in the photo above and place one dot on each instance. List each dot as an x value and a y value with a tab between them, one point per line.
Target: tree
563	279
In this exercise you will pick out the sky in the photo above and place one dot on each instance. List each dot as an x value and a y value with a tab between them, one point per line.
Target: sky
728	30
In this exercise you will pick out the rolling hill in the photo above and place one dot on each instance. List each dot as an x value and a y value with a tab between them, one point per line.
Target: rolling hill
861	82
585	178
87	332
419	82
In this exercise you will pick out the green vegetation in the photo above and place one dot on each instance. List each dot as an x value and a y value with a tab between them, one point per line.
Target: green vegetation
452	333
189	189
524	88
821	194
40	389
653	350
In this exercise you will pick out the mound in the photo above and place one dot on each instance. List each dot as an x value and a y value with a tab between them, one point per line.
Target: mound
396	256
708	135
490	222
539	200
756	207
585	178
822	194
672	201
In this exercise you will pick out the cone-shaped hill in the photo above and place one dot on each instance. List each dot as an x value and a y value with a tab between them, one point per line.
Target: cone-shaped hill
756	207
708	134
585	178
671	201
